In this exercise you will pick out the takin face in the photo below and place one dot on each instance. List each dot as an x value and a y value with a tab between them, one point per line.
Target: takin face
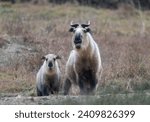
79	31
50	61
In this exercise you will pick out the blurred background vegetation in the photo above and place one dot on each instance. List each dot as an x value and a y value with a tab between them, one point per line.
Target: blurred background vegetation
113	4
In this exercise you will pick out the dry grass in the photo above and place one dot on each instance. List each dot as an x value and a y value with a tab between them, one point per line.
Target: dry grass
125	51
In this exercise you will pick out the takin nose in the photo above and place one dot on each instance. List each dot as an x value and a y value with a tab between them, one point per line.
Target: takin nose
50	64
78	39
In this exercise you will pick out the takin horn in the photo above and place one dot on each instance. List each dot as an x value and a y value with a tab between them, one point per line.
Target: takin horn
74	25
86	25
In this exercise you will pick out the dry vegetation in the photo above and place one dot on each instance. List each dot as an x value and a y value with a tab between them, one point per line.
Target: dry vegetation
31	31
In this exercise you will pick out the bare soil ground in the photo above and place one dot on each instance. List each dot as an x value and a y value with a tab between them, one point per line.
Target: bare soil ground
108	99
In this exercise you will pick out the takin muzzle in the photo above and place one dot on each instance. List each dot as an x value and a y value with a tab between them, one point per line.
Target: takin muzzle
78	40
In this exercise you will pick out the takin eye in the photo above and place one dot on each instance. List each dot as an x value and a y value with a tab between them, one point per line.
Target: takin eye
87	30
46	59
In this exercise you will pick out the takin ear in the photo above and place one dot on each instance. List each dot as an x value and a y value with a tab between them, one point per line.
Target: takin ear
58	57
71	30
43	58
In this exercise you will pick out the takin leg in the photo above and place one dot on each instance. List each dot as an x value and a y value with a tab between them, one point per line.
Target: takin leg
67	86
39	93
93	84
81	86
87	82
86	87
55	89
45	91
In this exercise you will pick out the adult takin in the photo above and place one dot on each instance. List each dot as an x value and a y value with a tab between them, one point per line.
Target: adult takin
83	67
49	76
